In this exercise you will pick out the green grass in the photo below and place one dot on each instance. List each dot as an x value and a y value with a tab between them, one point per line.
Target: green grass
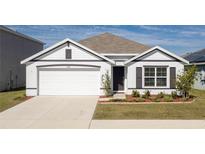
11	98
195	110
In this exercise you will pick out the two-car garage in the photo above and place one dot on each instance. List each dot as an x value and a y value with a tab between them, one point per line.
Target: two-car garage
68	81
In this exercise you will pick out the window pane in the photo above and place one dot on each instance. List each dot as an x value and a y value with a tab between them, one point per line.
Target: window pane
161	71
149	71
161	82
149	81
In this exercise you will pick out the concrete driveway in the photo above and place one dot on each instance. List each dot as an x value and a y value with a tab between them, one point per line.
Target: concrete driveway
51	112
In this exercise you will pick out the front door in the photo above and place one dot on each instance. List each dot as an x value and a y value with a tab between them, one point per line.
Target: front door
118	78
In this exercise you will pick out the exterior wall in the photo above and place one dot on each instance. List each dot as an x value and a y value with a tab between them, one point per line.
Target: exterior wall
57	57
131	75
156	55
14	49
120	57
77	53
200	82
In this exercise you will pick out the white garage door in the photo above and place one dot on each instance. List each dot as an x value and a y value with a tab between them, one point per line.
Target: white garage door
69	82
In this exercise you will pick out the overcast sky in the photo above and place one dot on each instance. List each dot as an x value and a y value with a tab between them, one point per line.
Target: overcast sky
178	39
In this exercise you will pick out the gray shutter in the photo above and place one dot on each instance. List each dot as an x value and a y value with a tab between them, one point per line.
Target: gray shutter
138	77
172	77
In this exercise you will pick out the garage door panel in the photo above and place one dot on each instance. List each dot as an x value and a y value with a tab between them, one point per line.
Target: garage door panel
69	82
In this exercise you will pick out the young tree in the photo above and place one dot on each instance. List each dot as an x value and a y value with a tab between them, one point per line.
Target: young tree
186	80
106	83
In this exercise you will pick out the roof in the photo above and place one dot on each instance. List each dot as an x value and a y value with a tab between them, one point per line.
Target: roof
109	43
162	50
196	57
47	50
4	28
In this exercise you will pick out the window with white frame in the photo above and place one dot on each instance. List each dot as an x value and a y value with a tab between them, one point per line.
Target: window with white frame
155	76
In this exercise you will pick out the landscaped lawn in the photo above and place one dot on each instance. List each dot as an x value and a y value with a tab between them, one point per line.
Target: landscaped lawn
11	98
195	110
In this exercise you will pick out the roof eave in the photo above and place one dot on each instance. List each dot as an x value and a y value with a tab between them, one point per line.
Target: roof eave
161	49
60	43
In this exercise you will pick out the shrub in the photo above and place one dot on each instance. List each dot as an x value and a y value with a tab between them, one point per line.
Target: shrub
186	80
168	98
146	94
106	83
135	93
174	94
160	95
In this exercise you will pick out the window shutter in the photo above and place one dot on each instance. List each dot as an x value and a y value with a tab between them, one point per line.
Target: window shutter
68	54
172	77
138	77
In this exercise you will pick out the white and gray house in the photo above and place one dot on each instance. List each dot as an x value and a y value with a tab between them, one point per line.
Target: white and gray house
14	47
76	68
198	58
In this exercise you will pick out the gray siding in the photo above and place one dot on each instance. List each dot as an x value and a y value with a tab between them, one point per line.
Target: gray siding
14	49
200	83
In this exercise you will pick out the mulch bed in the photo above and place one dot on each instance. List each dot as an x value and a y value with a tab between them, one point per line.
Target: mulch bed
151	100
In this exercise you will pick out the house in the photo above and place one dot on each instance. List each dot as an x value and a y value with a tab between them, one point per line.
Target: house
76	68
198	58
14	47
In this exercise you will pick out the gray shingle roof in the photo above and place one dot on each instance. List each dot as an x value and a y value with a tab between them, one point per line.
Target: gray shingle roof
195	57
109	43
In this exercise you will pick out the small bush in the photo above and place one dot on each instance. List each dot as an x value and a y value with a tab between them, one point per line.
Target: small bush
174	94
168	98
146	94
135	93
161	95
106	84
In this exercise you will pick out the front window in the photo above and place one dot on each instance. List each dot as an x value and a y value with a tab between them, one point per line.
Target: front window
149	76
155	76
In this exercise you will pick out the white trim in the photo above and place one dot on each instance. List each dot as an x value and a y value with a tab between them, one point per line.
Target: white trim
155	78
60	43
201	63
161	49
119	54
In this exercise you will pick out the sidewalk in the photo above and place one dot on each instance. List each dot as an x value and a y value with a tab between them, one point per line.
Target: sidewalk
147	124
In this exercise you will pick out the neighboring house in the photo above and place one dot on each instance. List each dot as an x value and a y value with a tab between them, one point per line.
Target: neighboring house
198	59
71	68
14	47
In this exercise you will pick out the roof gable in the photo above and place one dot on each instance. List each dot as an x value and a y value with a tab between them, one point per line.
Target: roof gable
166	52
57	45
109	43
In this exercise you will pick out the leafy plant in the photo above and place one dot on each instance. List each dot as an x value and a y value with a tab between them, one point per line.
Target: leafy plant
106	83
160	95
174	94
146	94
135	93
186	80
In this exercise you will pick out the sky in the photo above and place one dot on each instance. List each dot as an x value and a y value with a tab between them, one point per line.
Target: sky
177	39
